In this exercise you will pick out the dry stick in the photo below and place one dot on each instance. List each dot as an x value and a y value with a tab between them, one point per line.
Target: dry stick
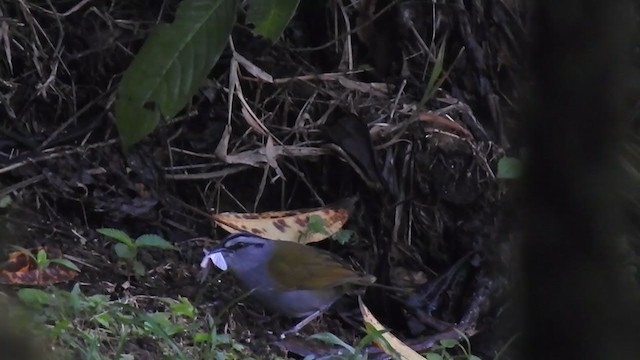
397	99
332	76
69	121
9	189
190	207
175	168
348	46
64	14
53	155
207	175
304	180
193	153
263	184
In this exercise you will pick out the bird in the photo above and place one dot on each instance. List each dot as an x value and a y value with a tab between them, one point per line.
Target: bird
286	277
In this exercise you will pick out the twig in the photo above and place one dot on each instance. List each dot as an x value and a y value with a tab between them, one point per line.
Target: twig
55	154
69	121
208	175
9	189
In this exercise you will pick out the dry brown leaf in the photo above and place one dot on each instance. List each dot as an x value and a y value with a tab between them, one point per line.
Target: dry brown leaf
287	225
223	145
247	113
21	269
375	89
271	157
258	157
442	121
398	348
253	69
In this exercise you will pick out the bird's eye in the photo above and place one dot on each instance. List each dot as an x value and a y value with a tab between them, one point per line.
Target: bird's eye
240	245
236	246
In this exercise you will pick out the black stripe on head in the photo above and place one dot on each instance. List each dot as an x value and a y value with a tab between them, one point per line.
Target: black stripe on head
240	240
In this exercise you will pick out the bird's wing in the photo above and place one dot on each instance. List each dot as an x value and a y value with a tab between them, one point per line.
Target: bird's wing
301	267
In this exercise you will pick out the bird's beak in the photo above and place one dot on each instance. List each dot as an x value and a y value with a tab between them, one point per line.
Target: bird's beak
216	257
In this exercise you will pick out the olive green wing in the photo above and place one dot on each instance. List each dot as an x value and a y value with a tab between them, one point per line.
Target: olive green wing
301	267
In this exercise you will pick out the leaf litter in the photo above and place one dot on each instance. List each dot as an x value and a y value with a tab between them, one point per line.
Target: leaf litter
254	140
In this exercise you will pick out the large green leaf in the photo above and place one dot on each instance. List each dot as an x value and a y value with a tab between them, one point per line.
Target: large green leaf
171	65
117	234
270	17
151	240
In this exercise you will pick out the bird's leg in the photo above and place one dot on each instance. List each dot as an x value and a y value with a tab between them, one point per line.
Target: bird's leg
301	324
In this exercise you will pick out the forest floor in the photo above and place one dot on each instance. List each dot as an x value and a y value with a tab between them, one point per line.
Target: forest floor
410	117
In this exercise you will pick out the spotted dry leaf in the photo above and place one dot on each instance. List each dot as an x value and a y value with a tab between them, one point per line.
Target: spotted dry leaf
21	269
391	345
288	225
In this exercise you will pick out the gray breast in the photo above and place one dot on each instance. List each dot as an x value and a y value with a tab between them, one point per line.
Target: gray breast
294	303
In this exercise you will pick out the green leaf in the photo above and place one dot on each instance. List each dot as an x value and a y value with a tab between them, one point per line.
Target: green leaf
125	252
41	257
171	66
76	299
138	268
330	338
104	319
150	240
448	343
509	168
201	338
271	17
60	326
25	251
66	263
117	234
97	300
184	307
160	319
316	225
223	339
434	78
376	335
34	297
343	236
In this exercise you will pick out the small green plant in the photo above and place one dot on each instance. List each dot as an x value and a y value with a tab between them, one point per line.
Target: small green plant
317	225
442	351
352	352
127	248
93	327
435	80
42	260
211	343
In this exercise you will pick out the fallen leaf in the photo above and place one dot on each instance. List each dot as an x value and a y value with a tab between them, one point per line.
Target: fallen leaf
446	123
288	225
21	269
397	349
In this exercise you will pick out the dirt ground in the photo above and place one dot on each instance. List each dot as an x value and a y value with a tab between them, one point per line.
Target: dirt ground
430	210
